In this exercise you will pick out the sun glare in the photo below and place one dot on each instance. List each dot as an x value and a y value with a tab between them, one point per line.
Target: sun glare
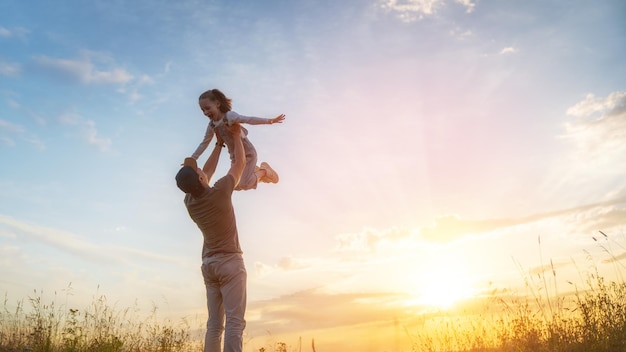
441	286
443	291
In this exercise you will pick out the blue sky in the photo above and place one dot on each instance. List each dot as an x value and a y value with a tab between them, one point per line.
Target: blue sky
424	139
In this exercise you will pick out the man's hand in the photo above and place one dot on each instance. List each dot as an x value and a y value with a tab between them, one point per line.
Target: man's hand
239	162
219	141
211	164
277	119
235	129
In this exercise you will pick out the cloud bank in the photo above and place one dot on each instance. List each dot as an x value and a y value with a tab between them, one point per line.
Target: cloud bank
412	10
83	70
599	126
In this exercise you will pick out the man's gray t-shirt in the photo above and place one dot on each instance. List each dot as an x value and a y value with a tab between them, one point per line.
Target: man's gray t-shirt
214	214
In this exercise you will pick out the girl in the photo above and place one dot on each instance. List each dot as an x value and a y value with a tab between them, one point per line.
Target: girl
217	107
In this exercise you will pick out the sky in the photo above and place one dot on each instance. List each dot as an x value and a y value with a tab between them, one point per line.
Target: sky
432	150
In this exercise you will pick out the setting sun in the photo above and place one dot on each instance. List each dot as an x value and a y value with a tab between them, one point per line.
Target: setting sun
442	290
444	282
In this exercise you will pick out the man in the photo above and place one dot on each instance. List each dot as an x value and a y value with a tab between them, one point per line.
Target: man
223	268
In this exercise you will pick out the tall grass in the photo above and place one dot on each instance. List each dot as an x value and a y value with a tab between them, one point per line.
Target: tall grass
36	325
591	318
46	327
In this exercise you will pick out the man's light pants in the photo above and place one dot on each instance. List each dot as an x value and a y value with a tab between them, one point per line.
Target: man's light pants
225	280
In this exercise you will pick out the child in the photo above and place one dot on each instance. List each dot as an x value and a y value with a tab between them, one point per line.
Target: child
217	107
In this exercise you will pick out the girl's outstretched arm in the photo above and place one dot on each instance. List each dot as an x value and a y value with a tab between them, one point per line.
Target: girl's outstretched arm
277	119
252	120
208	135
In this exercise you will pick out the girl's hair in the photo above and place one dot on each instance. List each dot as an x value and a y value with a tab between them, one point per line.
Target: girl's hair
217	95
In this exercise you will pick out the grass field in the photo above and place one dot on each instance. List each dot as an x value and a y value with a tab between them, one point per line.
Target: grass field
590	316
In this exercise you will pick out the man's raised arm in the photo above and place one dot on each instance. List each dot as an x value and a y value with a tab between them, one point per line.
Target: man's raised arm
211	164
236	167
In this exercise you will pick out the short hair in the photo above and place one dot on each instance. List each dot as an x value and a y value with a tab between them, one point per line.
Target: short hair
187	178
216	94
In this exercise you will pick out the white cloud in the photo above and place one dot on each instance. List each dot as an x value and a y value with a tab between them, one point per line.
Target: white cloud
393	258
369	241
17	32
599	128
9	69
9	253
262	269
145	79
133	91
7	141
13	104
412	10
469	5
91	135
36	142
291	263
508	50
87	129
461	34
15	129
591	105
10	127
84	69
79	246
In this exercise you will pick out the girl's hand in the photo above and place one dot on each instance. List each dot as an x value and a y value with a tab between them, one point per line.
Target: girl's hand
277	119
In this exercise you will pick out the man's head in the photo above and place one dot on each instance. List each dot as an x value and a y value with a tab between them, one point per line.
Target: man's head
191	179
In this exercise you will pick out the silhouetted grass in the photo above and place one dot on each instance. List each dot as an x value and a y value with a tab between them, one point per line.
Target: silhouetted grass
591	318
46	327
587	318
